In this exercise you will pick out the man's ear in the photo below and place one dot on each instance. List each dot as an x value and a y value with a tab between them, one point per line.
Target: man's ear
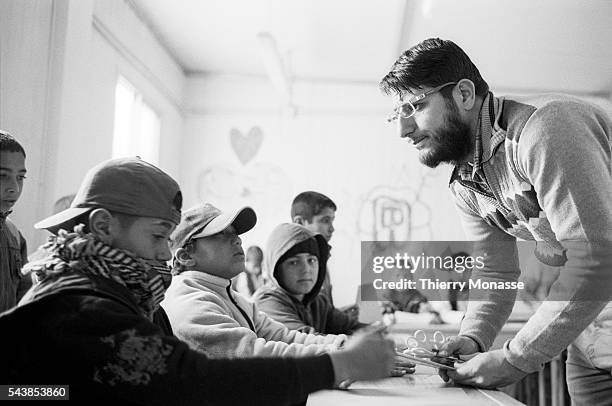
465	94
102	225
184	257
299	220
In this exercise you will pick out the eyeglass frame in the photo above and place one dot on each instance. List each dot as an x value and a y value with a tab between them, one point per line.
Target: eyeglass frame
397	110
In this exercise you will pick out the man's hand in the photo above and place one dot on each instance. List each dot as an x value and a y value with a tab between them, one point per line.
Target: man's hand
486	370
456	345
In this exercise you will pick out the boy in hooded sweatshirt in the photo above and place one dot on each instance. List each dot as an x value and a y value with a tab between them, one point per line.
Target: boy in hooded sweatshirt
296	263
203	309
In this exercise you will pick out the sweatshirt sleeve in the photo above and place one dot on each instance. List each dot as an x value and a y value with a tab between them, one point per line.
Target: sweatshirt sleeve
486	316
277	340
207	326
564	152
282	311
339	322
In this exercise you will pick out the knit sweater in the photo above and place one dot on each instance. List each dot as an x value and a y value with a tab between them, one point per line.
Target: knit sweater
211	317
542	171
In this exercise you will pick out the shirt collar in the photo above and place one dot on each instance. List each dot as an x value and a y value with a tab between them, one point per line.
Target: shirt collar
207	278
483	150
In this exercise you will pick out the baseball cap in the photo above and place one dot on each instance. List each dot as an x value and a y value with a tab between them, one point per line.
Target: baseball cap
204	220
124	185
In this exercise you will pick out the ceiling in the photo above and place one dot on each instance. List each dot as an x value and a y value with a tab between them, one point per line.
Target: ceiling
520	45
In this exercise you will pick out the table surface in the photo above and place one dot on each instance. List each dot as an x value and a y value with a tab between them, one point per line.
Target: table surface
424	388
402	330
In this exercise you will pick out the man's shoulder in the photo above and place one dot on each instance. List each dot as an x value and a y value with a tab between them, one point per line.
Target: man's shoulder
537	113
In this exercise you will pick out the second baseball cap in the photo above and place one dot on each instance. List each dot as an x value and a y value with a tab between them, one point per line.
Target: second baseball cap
205	220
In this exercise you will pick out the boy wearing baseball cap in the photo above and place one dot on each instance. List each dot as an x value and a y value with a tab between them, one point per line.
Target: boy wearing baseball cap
206	312
87	323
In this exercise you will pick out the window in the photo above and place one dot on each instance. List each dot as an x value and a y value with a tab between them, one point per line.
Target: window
137	125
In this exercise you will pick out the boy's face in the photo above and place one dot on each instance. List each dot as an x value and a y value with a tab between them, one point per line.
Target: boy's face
146	237
299	273
220	254
322	223
12	174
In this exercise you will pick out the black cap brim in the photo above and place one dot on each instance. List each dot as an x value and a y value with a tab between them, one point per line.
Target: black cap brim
62	217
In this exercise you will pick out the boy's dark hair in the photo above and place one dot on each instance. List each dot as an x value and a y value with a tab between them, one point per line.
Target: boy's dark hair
9	144
309	204
432	63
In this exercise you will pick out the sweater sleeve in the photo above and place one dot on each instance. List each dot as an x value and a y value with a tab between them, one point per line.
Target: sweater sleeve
104	350
486	316
564	152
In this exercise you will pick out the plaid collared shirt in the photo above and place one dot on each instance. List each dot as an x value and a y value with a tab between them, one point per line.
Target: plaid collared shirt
471	173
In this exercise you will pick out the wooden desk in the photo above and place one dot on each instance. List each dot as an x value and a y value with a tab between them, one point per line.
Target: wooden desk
424	388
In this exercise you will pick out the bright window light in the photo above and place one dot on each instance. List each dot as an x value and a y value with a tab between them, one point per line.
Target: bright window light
137	125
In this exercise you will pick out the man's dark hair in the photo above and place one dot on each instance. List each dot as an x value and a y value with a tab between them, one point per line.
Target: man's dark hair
9	144
309	204
432	63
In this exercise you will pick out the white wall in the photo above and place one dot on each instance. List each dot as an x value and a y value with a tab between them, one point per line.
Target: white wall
26	28
337	143
58	68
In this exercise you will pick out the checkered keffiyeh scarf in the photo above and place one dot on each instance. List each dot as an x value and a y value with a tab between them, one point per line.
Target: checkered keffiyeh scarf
82	253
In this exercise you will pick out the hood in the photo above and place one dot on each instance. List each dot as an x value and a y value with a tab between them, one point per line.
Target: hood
285	236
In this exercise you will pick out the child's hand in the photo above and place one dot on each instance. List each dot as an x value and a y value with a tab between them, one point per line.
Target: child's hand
367	355
340	340
456	345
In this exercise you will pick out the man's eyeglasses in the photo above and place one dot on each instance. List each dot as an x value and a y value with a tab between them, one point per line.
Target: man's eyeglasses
406	109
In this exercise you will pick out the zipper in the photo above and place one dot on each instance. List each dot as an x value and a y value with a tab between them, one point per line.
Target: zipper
247	318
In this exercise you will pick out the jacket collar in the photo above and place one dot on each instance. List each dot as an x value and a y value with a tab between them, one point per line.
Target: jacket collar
207	278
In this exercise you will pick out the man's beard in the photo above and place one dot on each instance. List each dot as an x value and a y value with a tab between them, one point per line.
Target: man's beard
452	143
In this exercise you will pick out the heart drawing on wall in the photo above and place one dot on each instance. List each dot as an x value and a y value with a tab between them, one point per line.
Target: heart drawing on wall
246	147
